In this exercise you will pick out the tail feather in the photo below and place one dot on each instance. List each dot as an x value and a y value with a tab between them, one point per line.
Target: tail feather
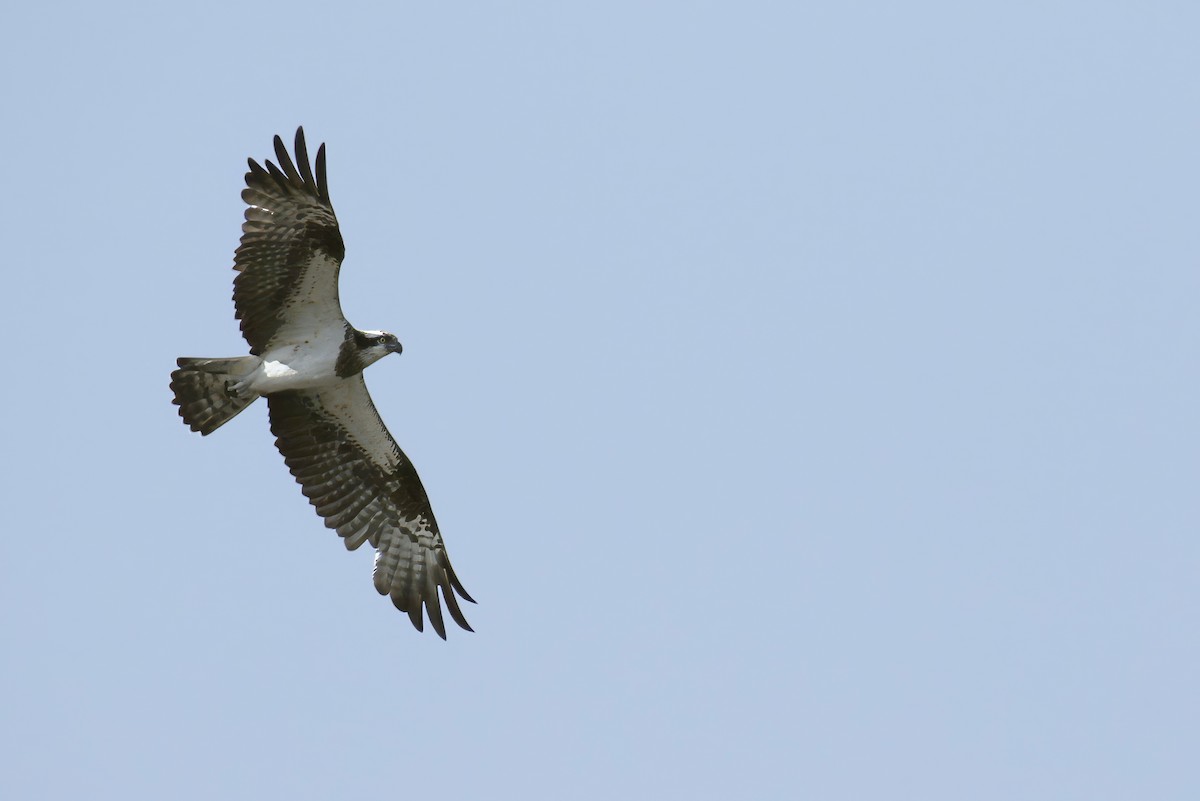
201	388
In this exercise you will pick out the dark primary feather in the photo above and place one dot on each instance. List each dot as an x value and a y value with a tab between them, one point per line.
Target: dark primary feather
291	248
363	485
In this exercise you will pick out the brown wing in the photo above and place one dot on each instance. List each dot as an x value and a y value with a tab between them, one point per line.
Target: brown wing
290	252
352	471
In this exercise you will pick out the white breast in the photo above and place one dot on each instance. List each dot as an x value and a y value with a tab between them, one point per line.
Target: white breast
300	366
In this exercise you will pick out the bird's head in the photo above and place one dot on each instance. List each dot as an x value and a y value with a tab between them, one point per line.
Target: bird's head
374	345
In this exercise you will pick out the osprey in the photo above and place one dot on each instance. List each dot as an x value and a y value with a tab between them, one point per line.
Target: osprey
308	362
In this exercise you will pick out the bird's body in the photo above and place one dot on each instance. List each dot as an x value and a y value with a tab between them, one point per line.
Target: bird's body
295	367
307	360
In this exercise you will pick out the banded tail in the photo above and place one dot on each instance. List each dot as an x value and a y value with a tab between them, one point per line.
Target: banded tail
202	390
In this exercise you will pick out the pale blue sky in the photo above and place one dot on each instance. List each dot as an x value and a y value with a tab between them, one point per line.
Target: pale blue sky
807	395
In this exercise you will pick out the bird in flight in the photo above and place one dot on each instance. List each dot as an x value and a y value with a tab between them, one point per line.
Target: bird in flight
308	362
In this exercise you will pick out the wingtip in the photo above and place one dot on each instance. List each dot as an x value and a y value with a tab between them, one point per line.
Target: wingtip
414	614
466	596
322	178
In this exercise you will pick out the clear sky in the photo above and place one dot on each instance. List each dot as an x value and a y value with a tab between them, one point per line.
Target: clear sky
807	394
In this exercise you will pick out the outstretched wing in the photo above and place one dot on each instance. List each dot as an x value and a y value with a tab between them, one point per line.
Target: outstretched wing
290	252
352	471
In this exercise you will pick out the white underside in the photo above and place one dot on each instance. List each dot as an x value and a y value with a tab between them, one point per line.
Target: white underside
302	366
